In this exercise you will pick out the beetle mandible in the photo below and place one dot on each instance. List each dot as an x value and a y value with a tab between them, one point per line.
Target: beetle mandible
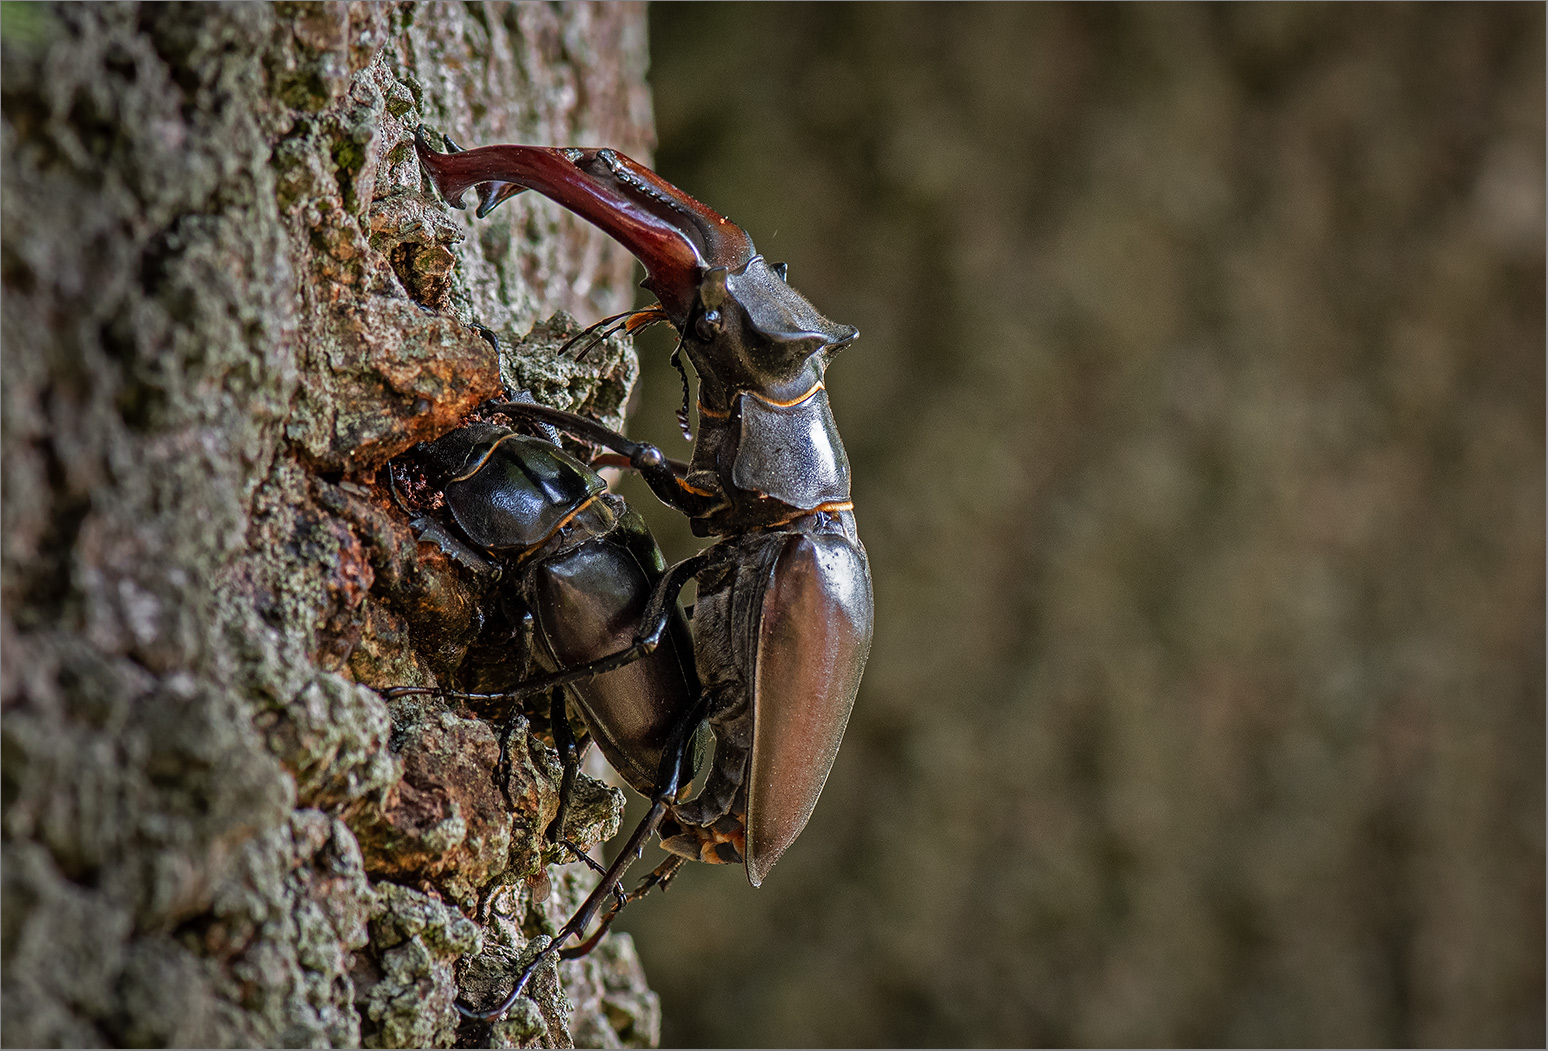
783	621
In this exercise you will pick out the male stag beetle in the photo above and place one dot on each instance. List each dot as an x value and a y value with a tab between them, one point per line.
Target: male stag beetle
783	620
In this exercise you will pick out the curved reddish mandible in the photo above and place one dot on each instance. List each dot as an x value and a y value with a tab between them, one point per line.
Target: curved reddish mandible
674	235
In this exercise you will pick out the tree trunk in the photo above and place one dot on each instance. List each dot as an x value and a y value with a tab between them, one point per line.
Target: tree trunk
1197	432
229	299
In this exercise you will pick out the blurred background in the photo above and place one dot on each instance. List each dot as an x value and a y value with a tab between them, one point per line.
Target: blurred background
1197	428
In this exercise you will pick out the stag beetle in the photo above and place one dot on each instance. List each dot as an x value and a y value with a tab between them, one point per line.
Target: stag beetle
783	620
581	567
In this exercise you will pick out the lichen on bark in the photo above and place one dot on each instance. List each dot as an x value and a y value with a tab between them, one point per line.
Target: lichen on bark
229	299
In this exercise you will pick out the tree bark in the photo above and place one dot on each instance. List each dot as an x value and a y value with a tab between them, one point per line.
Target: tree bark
230	298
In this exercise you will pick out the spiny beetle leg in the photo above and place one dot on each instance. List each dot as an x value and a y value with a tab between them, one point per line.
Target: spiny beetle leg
580	855
585	947
569	755
673	762
660	876
583	916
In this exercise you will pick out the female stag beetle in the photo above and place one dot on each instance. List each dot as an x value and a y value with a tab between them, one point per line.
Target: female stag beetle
783	620
577	566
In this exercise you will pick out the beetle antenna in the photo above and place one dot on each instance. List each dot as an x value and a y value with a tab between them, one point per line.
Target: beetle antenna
590	331
598	339
630	321
682	410
634	321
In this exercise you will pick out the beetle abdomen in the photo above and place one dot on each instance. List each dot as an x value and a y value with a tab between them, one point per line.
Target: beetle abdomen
587	604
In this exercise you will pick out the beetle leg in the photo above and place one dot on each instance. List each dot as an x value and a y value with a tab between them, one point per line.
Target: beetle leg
544	430
652	464
673	762
653	625
601	460
570	756
585	947
676	361
433	532
564	742
580	855
660	876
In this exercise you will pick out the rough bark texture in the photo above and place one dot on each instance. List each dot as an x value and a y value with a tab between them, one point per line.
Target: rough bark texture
229	298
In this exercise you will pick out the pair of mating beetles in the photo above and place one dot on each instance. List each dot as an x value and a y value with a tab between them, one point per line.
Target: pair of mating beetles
782	623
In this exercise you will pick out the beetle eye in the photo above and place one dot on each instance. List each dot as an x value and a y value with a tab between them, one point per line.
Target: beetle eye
708	325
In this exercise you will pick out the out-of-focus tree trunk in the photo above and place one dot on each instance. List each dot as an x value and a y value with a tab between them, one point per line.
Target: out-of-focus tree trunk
1197	430
229	299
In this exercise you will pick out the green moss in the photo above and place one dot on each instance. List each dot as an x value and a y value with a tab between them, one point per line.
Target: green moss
27	26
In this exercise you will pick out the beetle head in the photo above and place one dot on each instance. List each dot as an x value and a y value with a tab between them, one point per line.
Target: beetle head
741	324
749	328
